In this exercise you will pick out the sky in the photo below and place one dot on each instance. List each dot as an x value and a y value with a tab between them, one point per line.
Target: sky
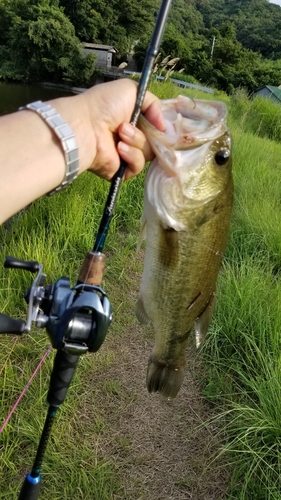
278	2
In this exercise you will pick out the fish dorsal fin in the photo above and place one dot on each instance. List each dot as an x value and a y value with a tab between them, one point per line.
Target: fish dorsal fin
203	321
142	235
141	312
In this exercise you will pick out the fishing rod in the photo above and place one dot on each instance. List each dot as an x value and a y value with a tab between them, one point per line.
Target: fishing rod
76	319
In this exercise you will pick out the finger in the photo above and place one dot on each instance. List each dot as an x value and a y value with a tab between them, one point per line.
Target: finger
152	111
134	137
134	157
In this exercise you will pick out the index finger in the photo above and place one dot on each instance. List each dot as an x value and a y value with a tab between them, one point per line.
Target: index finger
151	108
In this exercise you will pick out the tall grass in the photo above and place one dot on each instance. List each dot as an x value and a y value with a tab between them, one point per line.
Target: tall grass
241	352
242	349
58	232
259	116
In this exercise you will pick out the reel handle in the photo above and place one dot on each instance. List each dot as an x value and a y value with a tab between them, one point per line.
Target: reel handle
31	488
11	325
27	265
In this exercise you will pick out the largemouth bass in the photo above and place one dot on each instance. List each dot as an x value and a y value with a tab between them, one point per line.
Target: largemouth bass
187	210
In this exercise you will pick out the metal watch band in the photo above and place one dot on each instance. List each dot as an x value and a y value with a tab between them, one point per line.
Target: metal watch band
66	136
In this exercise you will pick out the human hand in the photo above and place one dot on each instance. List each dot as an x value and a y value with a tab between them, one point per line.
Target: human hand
110	107
32	160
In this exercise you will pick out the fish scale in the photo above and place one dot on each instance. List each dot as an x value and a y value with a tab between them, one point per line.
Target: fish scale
186	234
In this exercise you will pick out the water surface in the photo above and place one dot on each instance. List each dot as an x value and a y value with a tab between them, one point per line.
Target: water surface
14	95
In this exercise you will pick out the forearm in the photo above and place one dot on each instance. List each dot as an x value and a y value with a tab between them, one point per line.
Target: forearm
32	161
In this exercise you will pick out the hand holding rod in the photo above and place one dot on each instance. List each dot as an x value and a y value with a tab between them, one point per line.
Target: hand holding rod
94	261
91	273
151	54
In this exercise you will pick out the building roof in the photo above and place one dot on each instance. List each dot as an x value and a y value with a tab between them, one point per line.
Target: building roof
276	91
98	46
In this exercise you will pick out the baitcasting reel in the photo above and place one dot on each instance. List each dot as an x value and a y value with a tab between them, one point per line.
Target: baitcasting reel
76	319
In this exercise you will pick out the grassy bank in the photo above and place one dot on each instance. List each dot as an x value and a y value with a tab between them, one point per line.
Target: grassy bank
58	231
242	350
243	347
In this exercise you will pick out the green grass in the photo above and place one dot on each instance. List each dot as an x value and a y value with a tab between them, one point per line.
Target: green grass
242	349
58	231
241	353
258	116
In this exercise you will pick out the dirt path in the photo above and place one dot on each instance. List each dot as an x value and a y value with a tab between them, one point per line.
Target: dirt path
160	448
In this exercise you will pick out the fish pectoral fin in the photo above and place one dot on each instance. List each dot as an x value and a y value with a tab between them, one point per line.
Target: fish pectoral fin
141	312
142	235
203	321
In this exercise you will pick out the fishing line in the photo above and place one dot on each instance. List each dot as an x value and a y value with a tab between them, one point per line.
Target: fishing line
194	102
25	389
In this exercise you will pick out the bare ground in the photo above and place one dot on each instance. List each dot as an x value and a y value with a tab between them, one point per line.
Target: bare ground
162	450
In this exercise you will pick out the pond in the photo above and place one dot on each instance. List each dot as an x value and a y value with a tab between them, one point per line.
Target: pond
14	95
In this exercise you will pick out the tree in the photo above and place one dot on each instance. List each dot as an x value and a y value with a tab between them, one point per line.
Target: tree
117	22
39	43
232	63
39	39
87	17
185	17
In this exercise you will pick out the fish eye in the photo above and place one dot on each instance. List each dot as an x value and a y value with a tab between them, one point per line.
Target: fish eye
222	156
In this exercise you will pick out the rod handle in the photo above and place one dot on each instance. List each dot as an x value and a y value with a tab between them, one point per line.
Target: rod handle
92	269
31	488
63	371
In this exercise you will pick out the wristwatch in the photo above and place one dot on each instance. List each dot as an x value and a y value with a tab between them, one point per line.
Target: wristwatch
66	136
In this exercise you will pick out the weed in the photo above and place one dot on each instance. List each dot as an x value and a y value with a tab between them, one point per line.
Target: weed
242	350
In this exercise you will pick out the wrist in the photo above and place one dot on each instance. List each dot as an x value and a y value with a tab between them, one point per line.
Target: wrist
75	112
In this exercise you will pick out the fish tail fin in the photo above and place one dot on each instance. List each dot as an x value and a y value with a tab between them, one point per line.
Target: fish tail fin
163	378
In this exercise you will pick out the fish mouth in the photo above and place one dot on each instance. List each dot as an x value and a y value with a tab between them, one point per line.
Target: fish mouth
183	176
190	124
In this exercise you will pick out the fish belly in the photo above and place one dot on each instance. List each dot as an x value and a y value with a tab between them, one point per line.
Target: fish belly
178	286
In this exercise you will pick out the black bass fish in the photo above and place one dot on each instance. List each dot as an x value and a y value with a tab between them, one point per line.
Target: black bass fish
187	210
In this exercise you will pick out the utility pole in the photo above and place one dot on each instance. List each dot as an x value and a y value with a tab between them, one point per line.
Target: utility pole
213	46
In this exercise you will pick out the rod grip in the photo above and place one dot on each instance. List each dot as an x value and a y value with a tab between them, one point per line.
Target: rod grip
92	269
31	488
63	371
